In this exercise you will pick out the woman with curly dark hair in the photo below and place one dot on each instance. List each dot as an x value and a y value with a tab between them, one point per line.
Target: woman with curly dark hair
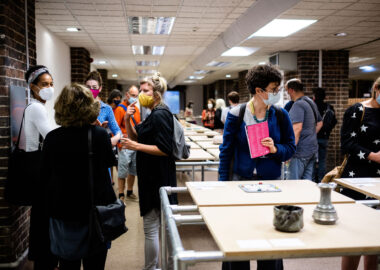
65	172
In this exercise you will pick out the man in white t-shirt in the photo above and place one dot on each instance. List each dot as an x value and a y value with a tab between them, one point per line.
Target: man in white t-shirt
233	100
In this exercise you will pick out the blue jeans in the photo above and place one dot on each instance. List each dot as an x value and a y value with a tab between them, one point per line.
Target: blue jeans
301	168
320	170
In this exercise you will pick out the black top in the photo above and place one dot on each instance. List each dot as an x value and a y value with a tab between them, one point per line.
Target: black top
65	171
218	124
359	139
154	172
322	107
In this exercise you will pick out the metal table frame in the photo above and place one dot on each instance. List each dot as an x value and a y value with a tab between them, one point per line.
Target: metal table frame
194	164
170	220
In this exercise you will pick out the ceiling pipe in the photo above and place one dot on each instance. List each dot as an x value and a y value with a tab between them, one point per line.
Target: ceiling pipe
256	16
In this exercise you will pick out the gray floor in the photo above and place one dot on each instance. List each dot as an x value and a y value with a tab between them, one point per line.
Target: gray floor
127	251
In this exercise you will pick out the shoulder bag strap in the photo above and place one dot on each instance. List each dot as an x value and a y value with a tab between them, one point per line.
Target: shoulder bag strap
90	167
312	107
22	121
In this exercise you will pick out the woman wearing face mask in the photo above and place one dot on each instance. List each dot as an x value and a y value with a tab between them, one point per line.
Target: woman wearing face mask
263	82
114	99
360	139
152	139
189	114
106	116
36	127
208	115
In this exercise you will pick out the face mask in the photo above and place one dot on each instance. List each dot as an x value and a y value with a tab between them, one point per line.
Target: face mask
116	102
145	100
272	99
378	99
131	100
46	93
95	92
209	106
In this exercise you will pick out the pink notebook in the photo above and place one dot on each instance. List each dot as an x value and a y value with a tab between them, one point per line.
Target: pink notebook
255	133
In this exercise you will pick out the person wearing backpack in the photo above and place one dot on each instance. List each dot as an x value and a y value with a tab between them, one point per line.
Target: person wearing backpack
126	167
327	112
263	82
153	141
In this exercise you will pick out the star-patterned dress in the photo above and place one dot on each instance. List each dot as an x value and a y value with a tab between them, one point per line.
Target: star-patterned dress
359	139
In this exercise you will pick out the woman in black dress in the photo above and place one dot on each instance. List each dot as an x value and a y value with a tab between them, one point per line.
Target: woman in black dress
360	139
152	139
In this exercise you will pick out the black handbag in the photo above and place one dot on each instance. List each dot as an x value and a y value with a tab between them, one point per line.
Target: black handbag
109	220
23	173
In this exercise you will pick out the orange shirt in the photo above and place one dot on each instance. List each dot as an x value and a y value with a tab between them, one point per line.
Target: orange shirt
120	113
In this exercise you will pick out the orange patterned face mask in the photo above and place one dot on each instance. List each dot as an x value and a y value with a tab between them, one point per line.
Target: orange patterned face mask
145	100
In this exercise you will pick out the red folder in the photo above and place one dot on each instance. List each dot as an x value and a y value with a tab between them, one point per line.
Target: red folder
255	133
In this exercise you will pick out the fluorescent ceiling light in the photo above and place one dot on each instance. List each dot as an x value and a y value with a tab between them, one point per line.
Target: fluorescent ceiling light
191	77
367	68
72	29
240	51
340	34
148	63
203	71
262	63
199	77
114	75
282	28
218	64
189	81
150	25
359	59
146	71
148	50
228	75
102	62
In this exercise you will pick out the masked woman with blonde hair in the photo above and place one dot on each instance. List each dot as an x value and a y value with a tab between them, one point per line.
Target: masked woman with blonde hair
152	139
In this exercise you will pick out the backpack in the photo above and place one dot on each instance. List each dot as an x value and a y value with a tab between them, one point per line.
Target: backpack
181	150
329	120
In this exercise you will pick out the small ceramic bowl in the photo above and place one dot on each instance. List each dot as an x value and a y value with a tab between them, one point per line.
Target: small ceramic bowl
288	218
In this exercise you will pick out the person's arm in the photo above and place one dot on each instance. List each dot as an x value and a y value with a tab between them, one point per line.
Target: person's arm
351	127
114	127
149	149
297	128
131	131
38	116
319	126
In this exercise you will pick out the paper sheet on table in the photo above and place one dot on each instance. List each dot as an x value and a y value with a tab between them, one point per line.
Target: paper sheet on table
362	180
255	133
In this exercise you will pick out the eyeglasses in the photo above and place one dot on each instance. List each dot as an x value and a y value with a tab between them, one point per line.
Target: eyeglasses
277	90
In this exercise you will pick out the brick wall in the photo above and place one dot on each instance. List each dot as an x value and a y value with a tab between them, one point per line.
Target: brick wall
112	84
14	221
244	93
80	64
105	90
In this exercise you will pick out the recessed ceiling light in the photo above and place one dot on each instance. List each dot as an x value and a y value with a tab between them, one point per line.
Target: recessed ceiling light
240	51
203	71
282	28
146	50
199	77
146	71
228	75
262	63
114	75
367	68
150	25
191	77
147	63
218	64
102	62
189	81
359	59
340	34
72	29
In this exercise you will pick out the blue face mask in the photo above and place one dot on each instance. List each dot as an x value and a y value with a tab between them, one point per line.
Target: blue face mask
131	100
272	99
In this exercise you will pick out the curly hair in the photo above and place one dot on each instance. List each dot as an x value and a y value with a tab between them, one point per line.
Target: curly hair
115	93
261	76
76	107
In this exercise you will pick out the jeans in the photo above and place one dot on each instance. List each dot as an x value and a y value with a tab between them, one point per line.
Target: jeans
151	230
320	170
94	262
301	168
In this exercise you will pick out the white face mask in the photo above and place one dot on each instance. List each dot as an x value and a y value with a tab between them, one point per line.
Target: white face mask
46	93
209	106
272	99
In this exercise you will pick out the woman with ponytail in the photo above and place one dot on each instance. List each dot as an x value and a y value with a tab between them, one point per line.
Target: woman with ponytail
152	139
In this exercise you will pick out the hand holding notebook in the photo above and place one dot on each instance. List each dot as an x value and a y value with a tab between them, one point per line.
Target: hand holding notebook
255	133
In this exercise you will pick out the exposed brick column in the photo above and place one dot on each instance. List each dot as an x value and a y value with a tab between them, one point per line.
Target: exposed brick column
335	81
105	90
14	221
242	87
112	84
80	64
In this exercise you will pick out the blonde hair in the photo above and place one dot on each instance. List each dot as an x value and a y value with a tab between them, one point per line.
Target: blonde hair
157	82
376	85
75	106
220	103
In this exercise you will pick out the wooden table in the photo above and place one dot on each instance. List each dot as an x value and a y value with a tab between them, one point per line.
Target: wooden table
208	145
199	154
229	193
367	186
214	152
193	145
201	138
249	231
